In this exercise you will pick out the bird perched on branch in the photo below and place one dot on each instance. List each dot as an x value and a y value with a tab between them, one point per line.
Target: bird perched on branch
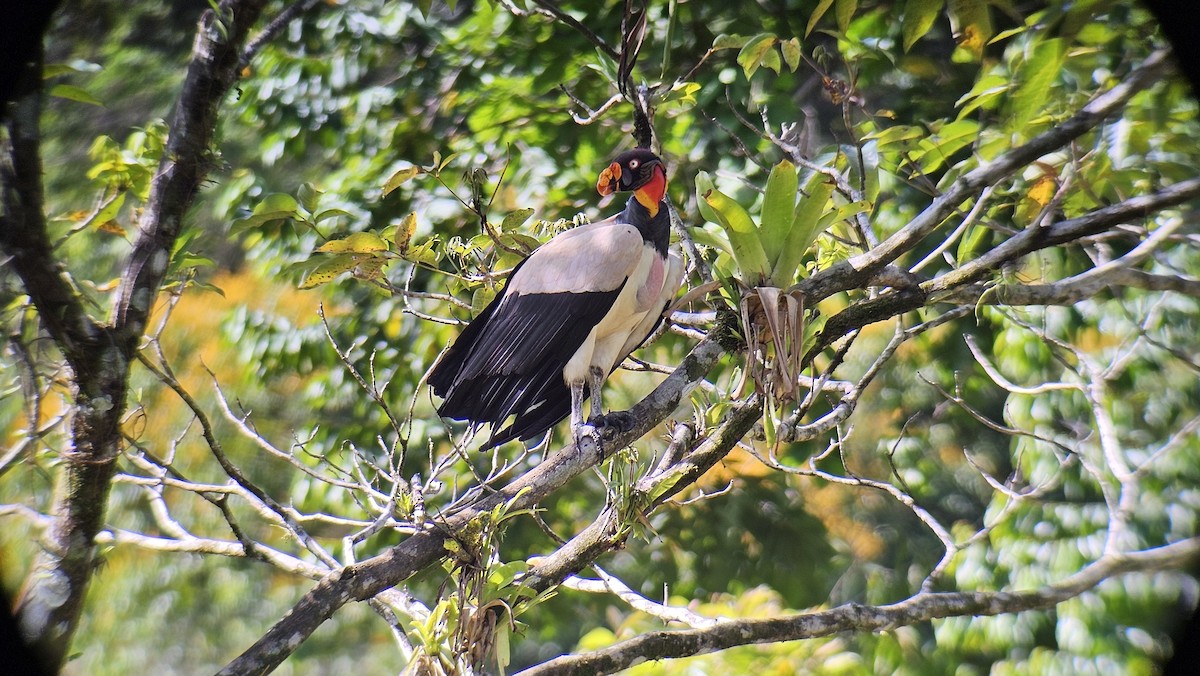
570	314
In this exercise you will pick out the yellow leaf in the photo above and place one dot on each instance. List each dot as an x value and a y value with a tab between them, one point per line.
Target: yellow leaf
1043	189
405	232
327	272
370	268
112	228
359	242
399	178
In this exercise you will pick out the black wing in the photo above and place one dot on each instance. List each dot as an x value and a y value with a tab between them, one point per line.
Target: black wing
555	403
509	361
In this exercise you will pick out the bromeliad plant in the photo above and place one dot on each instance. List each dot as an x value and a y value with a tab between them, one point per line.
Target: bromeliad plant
770	256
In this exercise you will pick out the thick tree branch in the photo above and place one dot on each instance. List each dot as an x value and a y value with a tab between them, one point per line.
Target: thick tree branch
23	237
368	578
922	607
52	597
100	356
187	159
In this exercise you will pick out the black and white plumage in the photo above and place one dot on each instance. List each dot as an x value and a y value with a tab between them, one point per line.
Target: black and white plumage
568	316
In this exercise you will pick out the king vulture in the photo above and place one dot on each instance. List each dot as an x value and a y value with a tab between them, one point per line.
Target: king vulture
568	316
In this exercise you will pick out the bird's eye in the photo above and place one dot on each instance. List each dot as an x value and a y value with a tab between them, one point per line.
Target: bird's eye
633	164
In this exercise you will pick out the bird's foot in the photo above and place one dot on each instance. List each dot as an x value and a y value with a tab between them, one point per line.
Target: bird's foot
591	436
588	440
612	423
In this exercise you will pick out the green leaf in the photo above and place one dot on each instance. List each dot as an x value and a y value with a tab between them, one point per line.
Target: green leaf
848	210
949	139
972	24
205	286
844	12
1034	78
480	299
919	16
520	241
791	53
743	236
189	260
822	7
309	196
899	134
604	66
713	238
971	242
52	70
426	253
400	178
332	213
778	210
704	184
771	60
682	91
986	92
272	207
441	162
768	421
751	56
73	93
806	226
108	211
503	654
515	219
724	41
503	574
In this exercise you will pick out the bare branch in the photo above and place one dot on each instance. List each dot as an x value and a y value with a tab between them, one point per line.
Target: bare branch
1035	238
855	617
272	30
552	10
854	272
608	584
368	578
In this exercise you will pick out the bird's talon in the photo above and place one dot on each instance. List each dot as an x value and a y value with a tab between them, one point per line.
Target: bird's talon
588	438
613	423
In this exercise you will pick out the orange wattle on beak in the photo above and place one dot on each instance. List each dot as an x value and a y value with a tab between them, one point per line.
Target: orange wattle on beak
609	178
650	194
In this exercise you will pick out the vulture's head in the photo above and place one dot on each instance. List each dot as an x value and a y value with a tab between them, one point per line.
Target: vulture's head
637	170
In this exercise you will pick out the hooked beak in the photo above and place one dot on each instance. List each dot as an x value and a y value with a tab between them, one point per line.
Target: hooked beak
609	179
